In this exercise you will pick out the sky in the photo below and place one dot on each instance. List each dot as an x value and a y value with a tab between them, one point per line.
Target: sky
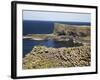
56	16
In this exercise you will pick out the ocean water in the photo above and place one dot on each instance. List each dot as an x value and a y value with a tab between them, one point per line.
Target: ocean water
29	44
37	27
42	27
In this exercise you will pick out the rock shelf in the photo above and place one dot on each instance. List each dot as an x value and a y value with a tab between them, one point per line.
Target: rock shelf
42	57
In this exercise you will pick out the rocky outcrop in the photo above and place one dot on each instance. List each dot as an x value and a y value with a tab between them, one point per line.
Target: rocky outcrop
71	30
43	57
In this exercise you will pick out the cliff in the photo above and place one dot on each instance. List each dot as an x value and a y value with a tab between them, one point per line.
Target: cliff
71	30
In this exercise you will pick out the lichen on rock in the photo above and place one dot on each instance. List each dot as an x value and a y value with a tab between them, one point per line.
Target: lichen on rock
44	57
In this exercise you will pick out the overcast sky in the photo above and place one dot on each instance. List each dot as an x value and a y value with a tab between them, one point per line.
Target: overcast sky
56	16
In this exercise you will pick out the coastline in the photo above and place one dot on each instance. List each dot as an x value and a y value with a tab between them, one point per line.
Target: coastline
76	55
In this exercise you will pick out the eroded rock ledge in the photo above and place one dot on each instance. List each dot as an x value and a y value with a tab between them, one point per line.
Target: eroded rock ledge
43	57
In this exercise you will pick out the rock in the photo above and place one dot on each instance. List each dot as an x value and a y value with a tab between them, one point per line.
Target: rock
43	57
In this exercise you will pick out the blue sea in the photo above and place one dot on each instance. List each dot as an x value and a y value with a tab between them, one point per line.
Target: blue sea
42	27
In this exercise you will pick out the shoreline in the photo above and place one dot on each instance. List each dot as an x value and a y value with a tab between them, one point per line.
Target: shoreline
56	38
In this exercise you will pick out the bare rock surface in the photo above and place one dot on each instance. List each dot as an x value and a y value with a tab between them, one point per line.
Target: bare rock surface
43	57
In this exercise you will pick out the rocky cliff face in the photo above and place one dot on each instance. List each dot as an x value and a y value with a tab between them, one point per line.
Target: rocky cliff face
71	30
